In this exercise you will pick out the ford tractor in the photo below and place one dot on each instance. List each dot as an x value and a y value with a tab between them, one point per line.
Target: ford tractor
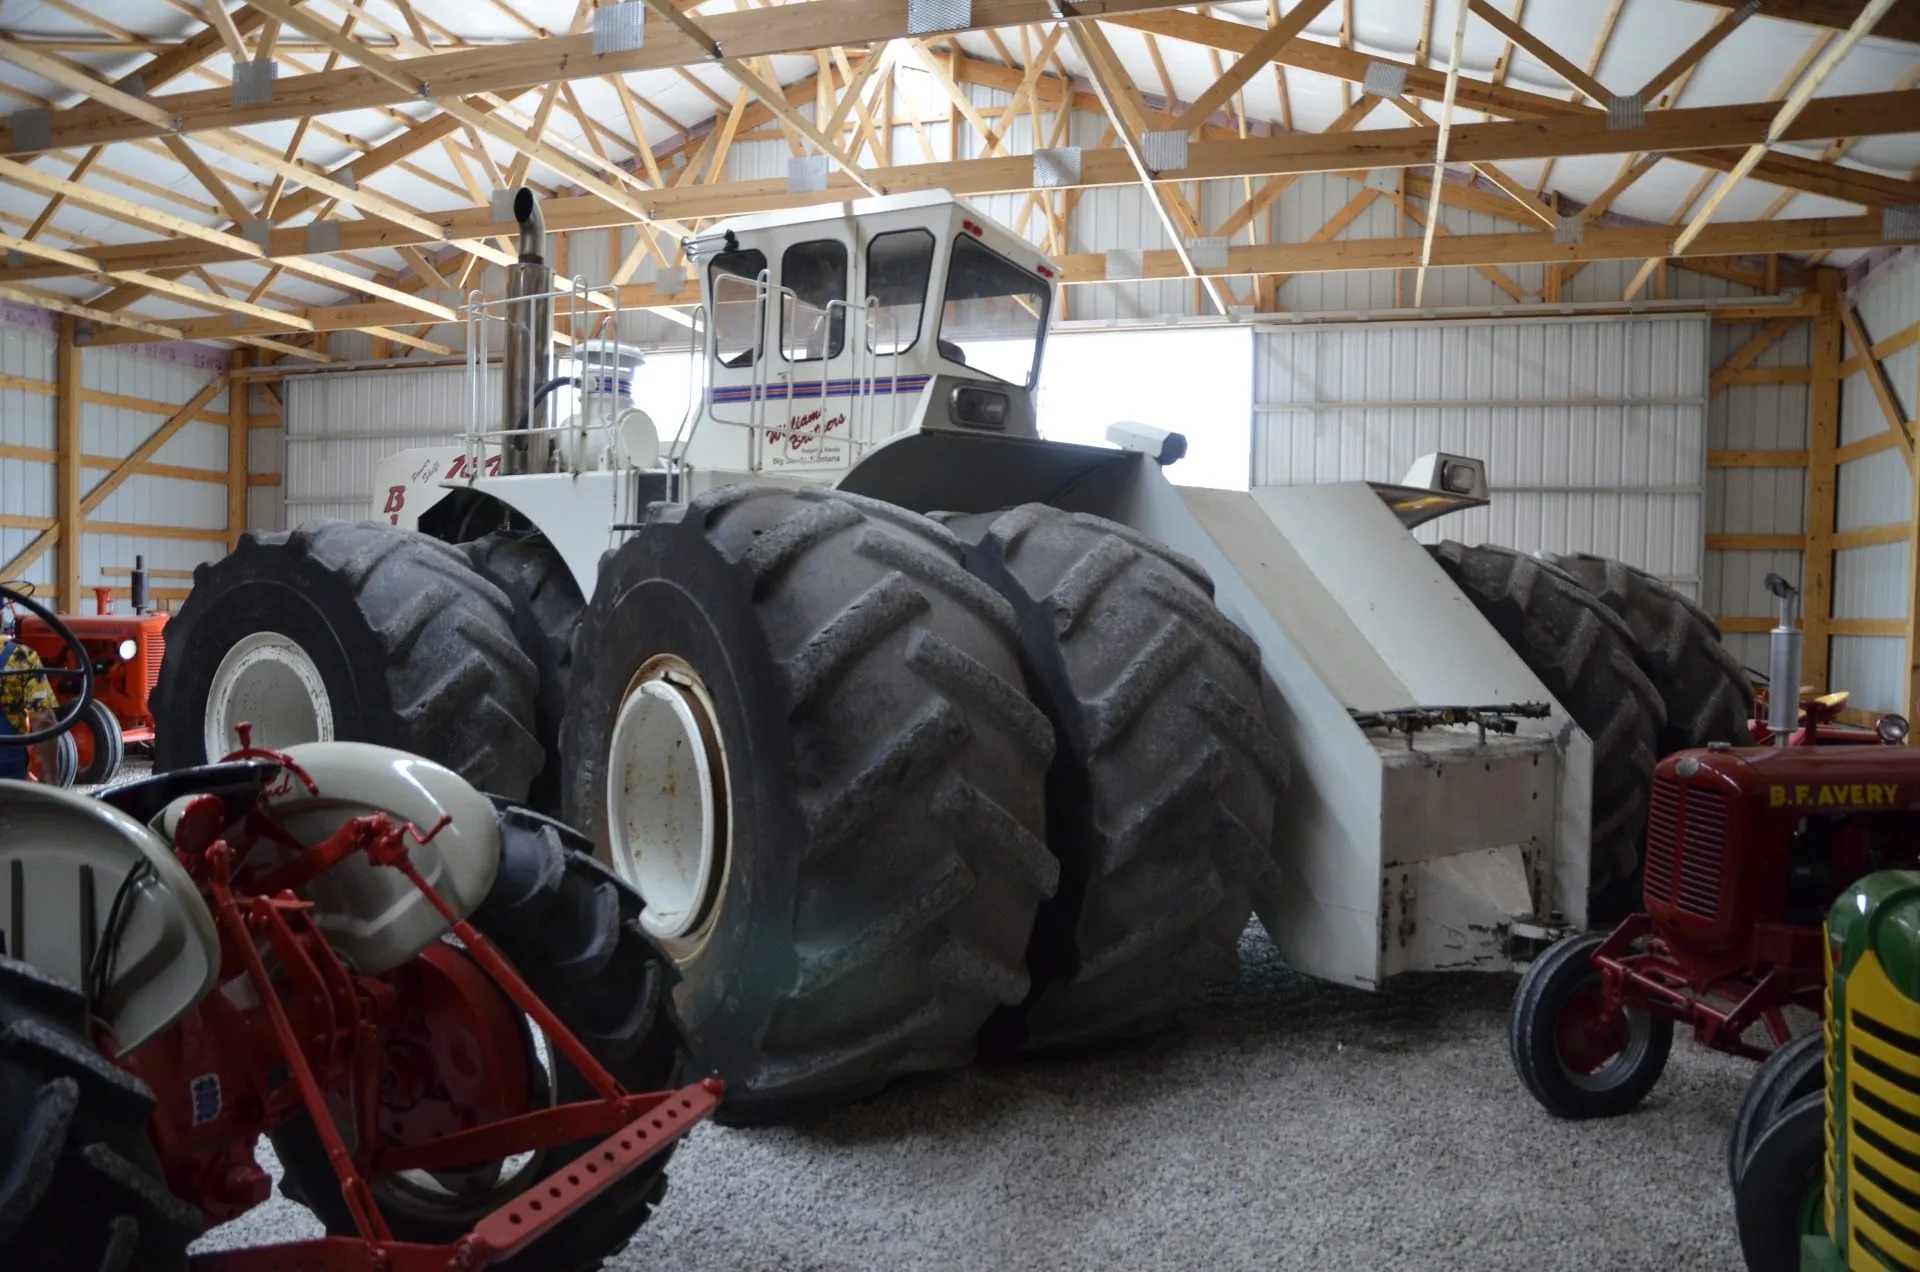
919	733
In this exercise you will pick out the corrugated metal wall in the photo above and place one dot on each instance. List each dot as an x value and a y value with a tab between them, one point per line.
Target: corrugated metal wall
1593	429
340	426
1875	581
131	391
1755	500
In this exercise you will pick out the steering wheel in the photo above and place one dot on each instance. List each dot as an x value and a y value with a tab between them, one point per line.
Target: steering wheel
74	651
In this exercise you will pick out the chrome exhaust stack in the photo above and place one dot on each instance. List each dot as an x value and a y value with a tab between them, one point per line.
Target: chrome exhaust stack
529	354
1783	663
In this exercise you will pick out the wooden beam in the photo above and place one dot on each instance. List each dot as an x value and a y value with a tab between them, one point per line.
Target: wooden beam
1566	70
1504	100
1757	459
1694	54
67	379
1249	63
1877	381
1823	438
1867	536
1744	356
1795	103
1835	15
1755	542
237	394
521	65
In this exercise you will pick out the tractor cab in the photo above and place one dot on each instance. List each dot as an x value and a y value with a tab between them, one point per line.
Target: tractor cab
828	330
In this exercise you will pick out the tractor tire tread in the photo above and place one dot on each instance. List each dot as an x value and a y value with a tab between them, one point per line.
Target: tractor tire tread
1707	693
1585	656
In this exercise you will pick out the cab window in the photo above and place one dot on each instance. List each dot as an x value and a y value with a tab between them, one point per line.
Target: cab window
816	274
994	314
739	312
899	264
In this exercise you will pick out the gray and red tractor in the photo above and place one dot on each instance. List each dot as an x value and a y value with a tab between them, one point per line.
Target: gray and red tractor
436	1008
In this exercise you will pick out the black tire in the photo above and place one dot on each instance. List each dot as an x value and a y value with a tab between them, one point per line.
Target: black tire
546	607
886	799
1557	979
1584	654
569	928
415	649
1776	1200
1707	694
66	762
1160	800
80	1183
109	747
1792	1072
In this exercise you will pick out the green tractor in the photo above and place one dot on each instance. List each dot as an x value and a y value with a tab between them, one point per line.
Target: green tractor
1825	1154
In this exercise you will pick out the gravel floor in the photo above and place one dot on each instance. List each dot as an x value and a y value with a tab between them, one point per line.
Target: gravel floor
1290	1125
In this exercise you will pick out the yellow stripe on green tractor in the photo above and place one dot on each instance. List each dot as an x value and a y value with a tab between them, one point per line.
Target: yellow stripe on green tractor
1873	1078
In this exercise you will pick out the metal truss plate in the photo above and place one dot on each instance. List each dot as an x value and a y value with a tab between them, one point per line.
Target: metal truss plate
1124	264
1567	229
1385	180
927	16
1626	112
620	28
668	280
500	205
1164	151
1901	221
258	233
323	236
32	130
253	81
1059	166
1208	251
806	174
1385	79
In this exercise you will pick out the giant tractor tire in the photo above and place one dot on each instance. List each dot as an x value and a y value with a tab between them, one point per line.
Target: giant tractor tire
360	633
569	928
1706	692
80	1183
546	607
797	729
1584	654
1160	800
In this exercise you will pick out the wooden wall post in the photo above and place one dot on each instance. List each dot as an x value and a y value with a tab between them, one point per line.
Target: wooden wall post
239	390
1823	439
67	469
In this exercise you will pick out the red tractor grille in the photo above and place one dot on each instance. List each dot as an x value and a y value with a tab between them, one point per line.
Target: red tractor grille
1685	844
156	650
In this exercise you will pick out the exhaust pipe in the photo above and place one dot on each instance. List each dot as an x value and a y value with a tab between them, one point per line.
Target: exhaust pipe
529	353
1783	664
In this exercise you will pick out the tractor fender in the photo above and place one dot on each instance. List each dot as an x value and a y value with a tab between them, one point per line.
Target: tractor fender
69	856
373	915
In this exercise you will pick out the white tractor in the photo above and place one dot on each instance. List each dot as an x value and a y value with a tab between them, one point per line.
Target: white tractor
918	733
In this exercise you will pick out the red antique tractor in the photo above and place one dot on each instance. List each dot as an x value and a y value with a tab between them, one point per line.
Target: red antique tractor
1746	848
125	652
442	1012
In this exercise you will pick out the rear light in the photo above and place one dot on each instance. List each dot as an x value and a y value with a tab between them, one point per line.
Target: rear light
980	408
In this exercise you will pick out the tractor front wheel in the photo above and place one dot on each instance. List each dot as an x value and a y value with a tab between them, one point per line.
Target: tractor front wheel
1577	1053
570	929
1795	1071
361	633
80	1183
1780	1194
100	744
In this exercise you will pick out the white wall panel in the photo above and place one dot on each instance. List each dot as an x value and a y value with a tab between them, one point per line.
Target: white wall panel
1593	429
339	427
1874	582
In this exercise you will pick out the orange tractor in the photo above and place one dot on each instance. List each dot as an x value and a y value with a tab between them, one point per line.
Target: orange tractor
125	650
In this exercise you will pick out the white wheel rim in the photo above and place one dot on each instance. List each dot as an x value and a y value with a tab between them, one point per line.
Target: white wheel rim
266	680
667	800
